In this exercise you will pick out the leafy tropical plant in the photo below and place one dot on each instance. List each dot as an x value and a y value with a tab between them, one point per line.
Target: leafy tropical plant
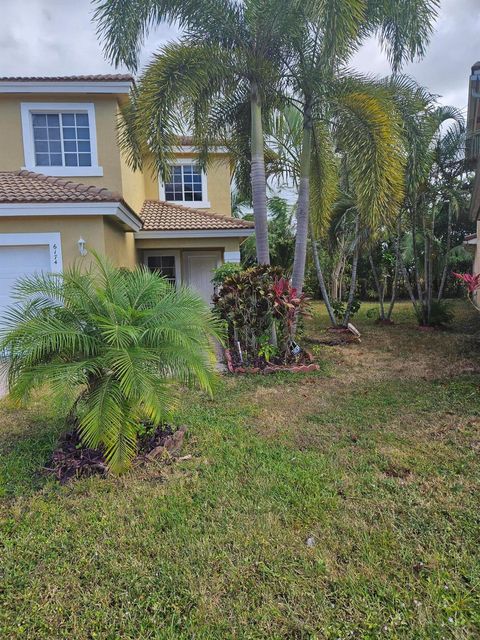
471	282
254	301
287	304
224	271
245	302
111	341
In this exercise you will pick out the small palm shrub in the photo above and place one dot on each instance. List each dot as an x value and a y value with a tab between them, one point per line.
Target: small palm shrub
113	342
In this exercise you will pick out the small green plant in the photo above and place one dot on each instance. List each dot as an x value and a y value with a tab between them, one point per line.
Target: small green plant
373	313
339	309
224	271
266	349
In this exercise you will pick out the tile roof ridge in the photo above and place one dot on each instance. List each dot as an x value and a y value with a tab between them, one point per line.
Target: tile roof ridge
207	214
69	184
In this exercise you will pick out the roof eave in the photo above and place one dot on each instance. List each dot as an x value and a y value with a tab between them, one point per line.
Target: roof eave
92	87
145	234
119	210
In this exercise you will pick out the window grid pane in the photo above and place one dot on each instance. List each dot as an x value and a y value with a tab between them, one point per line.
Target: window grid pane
164	266
61	139
185	184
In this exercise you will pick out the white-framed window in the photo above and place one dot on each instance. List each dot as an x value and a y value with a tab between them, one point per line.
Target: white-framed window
59	139
166	263
186	185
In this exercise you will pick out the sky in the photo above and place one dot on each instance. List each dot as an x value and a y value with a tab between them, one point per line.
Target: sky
57	37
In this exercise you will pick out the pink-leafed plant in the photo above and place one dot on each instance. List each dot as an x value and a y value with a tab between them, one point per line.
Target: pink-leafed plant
287	307
471	282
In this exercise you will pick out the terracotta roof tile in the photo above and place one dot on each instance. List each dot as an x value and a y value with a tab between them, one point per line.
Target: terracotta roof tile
157	215
115	77
27	186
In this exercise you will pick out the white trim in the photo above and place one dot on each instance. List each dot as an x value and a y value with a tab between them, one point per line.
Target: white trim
204	233
185	148
166	252
116	209
26	110
53	240
231	256
38	86
203	204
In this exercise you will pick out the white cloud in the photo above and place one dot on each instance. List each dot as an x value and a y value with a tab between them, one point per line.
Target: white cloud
57	37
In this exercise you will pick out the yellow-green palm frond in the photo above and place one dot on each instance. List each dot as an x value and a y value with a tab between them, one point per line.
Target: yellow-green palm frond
324	180
369	133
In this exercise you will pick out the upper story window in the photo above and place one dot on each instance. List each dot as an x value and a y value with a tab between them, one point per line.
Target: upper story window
187	185
60	139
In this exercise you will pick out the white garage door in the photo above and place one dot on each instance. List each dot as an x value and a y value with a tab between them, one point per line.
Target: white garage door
17	261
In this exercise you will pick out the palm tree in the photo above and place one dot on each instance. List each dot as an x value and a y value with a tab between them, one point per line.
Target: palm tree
320	48
435	165
218	81
112	342
354	147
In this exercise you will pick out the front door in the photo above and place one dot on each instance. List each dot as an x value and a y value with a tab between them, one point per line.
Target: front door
199	267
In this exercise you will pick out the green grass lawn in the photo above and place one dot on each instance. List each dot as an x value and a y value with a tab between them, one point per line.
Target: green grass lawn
375	457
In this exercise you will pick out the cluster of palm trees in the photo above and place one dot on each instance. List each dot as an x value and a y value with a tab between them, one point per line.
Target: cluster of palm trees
237	66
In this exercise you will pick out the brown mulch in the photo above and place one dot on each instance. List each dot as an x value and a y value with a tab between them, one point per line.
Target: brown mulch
71	460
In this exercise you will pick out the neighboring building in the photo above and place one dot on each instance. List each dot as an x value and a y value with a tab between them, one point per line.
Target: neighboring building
473	156
66	189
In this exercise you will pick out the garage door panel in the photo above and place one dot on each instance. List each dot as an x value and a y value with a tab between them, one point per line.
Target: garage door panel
18	261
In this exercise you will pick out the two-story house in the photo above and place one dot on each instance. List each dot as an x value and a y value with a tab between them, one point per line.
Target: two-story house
66	189
473	156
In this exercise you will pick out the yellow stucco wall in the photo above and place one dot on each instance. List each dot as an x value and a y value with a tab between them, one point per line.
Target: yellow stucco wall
218	183
11	137
117	176
119	245
100	235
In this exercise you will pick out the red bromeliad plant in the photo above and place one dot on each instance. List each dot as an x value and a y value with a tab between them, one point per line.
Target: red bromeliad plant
471	283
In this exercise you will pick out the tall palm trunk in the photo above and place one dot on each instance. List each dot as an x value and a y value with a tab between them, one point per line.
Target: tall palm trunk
353	281
259	183
378	285
320	278
397	268
301	239
447	252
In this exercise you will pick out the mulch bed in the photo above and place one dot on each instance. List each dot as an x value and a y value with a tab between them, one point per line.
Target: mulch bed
303	363
71	460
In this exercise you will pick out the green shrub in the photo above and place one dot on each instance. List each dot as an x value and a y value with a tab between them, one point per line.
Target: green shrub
441	313
255	301
225	271
112	341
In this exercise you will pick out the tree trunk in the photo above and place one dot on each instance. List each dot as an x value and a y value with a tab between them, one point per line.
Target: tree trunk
259	183
407	283
380	288
321	280
298	273
415	255
397	267
447	252
353	281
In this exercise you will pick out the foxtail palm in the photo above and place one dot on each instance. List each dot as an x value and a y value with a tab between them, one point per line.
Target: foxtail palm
217	81
113	343
324	45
